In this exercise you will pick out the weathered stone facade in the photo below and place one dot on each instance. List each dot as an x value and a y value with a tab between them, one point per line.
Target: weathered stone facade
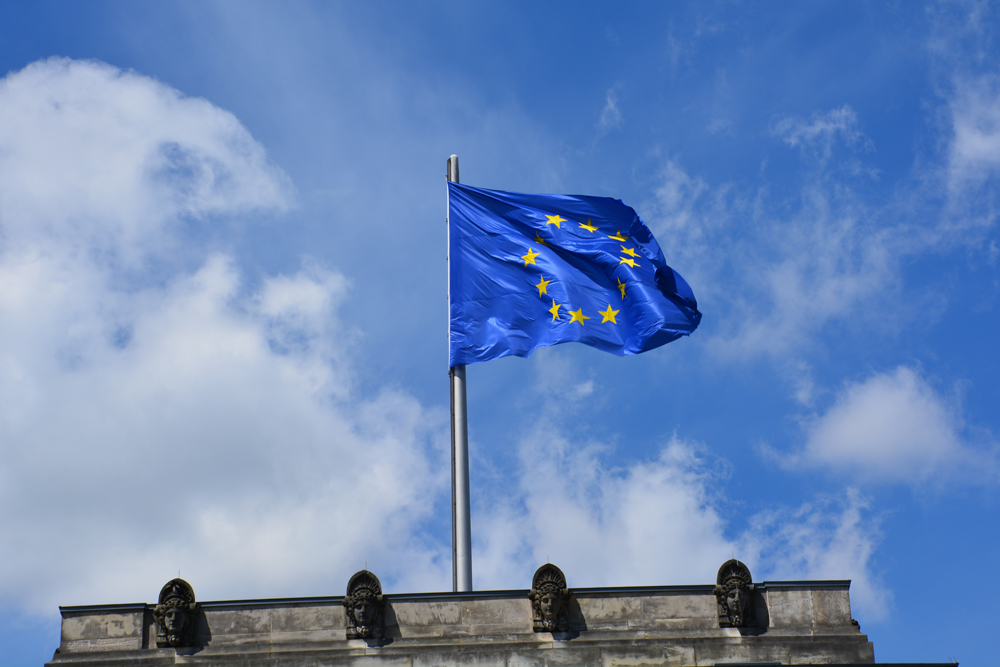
795	623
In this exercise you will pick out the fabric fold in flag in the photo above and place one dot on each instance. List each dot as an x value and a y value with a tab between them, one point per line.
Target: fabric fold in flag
530	271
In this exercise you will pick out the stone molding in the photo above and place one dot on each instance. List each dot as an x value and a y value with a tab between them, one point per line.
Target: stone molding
798	622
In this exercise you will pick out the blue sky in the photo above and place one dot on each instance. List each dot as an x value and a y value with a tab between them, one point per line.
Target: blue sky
223	339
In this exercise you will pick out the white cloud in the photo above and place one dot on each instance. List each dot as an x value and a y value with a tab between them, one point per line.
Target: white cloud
114	160
893	427
964	74
830	538
606	525
823	264
775	279
821	133
201	446
974	152
689	220
722	125
611	115
177	418
778	269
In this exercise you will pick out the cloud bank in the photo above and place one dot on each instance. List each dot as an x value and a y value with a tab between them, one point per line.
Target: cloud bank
656	521
894	427
780	271
159	414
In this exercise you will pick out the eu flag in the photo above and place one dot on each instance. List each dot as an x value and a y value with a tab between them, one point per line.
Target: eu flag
530	271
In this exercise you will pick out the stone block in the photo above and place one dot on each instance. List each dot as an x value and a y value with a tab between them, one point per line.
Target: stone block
463	658
362	661
697	611
598	609
679	654
597	626
219	641
790	608
238	622
741	650
649	657
496	630
297	619
676	625
831	607
307	636
841	650
578	657
414	615
511	613
102	644
101	626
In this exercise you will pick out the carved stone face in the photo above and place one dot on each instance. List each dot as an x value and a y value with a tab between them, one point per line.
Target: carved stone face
548	604
736	603
175	620
364	611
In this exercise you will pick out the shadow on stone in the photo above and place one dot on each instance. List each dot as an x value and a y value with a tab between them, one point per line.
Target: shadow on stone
202	632
763	616
391	625
751	632
574	615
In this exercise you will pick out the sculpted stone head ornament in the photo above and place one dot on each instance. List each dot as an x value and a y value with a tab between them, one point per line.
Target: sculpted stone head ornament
175	614
549	599
365	606
734	593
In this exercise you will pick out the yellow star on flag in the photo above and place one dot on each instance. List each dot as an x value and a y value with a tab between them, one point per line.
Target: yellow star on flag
589	227
621	286
542	284
618	236
530	257
555	220
625	260
539	239
629	251
554	310
609	315
577	316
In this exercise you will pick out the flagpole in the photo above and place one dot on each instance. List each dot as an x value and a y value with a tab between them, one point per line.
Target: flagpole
461	520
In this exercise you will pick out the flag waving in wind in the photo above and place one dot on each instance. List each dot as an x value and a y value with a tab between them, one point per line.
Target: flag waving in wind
530	271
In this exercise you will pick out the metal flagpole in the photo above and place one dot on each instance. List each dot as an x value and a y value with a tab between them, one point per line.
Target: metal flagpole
461	521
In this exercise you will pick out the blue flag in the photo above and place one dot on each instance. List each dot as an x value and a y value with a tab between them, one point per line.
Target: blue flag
530	271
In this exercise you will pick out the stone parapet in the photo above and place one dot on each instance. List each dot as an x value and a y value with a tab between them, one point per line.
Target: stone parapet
795	623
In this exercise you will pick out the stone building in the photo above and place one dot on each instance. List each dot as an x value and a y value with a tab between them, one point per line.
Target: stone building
733	621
